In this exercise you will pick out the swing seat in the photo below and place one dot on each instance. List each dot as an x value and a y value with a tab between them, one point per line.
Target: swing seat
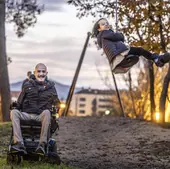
126	64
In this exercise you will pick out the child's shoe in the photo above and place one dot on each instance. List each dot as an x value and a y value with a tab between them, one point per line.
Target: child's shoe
160	60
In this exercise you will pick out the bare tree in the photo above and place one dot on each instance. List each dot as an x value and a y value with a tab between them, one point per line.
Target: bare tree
4	81
23	14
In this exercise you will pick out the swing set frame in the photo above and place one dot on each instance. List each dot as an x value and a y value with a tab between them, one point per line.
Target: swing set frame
128	61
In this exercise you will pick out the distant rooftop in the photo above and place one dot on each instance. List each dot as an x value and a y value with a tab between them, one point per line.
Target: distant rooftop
96	91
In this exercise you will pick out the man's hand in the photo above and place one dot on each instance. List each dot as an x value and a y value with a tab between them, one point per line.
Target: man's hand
13	105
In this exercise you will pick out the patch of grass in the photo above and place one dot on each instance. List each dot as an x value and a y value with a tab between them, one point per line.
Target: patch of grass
5	133
5	129
32	165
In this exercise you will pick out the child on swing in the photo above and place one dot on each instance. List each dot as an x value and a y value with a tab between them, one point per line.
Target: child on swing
115	49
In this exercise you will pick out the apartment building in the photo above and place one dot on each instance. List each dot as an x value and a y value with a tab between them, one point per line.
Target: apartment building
88	102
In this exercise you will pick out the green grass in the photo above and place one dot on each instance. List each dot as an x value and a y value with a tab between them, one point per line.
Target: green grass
5	132
32	165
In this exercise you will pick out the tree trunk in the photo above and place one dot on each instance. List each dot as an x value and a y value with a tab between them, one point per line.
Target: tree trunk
163	95
167	77
4	80
152	101
131	93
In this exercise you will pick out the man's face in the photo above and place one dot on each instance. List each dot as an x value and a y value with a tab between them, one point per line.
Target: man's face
103	25
40	73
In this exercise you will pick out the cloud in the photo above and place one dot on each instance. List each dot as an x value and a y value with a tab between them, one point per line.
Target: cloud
53	5
57	40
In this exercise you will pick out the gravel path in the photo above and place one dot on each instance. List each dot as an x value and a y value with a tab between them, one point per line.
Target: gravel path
113	143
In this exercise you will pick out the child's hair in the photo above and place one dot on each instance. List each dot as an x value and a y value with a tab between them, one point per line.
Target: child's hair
95	31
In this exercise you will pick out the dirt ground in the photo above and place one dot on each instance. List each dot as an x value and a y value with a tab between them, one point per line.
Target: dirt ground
113	143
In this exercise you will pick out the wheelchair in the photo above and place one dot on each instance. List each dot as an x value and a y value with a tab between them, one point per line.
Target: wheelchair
31	133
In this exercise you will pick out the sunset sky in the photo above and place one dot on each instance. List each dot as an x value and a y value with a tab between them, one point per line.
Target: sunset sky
57	40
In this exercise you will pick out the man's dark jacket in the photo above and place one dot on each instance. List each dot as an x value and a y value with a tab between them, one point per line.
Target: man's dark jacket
112	43
26	80
36	97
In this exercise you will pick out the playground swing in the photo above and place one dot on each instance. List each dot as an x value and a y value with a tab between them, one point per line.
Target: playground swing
126	64
122	67
121	63
129	60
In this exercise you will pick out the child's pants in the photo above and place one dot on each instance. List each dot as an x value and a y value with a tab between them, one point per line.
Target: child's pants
44	117
140	52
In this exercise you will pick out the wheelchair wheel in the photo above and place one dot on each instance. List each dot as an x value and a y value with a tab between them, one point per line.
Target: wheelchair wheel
14	159
53	157
54	148
31	157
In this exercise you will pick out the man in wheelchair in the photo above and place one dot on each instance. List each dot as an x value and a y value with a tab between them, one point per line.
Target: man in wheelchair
34	104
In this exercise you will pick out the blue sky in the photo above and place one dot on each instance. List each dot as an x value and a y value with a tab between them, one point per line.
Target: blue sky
57	40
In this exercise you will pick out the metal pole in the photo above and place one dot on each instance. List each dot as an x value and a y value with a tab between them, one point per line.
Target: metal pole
71	91
114	79
116	16
118	95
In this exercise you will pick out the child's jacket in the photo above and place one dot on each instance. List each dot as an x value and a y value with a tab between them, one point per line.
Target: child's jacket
112	43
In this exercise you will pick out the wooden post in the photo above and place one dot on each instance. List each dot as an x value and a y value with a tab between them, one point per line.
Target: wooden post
71	91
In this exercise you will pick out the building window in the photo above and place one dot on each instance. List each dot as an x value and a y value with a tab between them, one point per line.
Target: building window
105	106
105	100
81	105
82	111
82	99
101	112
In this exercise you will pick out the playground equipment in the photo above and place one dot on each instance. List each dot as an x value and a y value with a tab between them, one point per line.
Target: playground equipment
121	67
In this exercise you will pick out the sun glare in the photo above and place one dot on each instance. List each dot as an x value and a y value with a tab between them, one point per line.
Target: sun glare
157	116
62	105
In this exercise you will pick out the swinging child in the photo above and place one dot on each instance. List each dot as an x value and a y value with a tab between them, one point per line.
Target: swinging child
120	54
